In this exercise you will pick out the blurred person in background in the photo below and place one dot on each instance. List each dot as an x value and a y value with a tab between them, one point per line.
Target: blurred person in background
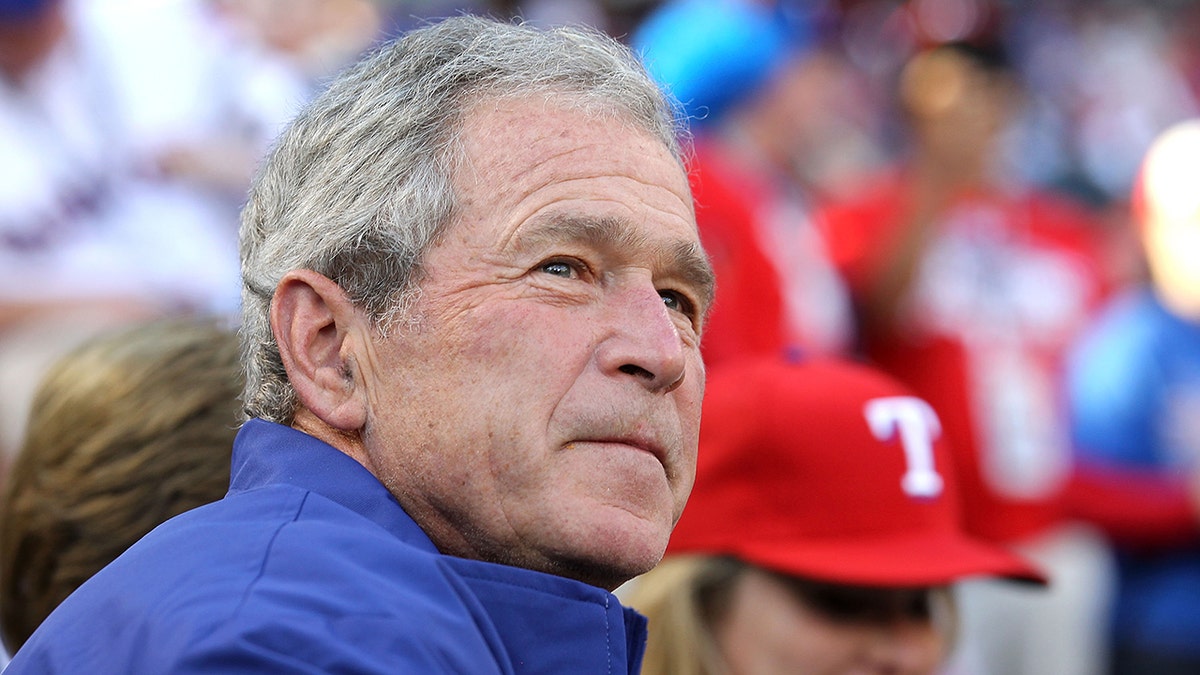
823	533
1102	79
745	75
128	132
260	60
1134	391
131	428
64	272
968	286
1126	87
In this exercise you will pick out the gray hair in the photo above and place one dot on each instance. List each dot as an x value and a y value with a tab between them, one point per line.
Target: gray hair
359	186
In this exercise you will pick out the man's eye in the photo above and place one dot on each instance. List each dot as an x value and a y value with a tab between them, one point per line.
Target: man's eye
559	268
676	302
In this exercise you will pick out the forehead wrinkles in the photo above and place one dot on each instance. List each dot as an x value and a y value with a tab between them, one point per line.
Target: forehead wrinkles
515	136
528	146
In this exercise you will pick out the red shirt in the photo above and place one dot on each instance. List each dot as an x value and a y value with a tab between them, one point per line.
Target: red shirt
1001	288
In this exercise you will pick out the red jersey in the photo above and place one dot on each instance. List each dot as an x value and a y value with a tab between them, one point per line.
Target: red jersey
1001	288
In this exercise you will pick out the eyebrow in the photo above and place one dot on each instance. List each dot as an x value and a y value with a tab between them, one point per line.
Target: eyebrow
683	259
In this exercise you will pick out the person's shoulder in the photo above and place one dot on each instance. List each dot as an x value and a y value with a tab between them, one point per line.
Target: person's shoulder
277	544
278	574
1127	323
1116	356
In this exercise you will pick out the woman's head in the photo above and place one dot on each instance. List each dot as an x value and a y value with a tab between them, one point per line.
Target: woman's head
713	615
131	428
823	530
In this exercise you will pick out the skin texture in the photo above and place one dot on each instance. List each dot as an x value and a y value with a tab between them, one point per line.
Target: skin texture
769	631
540	405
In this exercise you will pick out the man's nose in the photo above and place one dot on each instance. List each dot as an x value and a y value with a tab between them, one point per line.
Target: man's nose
644	341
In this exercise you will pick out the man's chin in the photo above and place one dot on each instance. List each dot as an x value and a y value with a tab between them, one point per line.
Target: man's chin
610	557
604	574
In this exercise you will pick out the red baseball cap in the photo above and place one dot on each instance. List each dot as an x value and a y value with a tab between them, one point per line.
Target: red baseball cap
832	471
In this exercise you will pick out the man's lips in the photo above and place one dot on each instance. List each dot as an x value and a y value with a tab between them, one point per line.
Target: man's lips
636	442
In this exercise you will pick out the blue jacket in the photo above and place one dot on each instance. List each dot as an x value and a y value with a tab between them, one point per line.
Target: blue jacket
309	565
1134	387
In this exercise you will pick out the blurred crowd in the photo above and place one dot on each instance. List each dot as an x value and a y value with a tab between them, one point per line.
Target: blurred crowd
129	131
960	192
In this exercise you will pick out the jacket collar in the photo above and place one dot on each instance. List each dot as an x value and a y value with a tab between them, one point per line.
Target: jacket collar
539	617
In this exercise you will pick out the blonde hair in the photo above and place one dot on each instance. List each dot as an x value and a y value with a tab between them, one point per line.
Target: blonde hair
686	597
128	430
682	598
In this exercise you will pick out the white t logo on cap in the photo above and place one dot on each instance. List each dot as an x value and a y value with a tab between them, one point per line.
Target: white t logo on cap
917	425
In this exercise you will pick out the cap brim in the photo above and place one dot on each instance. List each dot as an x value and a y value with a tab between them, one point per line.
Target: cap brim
907	559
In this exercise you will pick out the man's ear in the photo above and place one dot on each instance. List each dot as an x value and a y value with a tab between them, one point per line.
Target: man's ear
316	327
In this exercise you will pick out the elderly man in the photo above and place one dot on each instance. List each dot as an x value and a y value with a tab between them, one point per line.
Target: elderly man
473	300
